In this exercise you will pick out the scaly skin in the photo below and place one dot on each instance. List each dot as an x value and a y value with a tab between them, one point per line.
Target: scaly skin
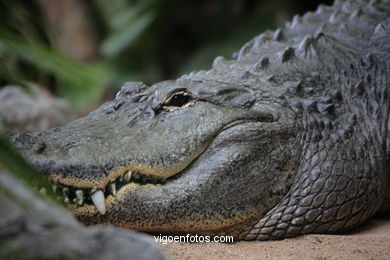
290	137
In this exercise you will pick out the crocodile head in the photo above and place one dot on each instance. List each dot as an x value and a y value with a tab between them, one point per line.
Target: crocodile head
289	137
179	156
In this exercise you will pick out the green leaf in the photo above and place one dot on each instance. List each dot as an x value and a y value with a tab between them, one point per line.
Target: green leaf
80	83
124	38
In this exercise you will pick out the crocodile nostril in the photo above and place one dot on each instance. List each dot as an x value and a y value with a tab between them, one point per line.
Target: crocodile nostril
32	140
40	148
27	142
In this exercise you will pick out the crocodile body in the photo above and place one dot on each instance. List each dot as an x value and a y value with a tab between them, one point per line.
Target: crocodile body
289	137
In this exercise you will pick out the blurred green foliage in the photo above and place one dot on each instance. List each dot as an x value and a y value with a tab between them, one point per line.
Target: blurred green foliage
137	40
77	81
28	53
125	22
11	161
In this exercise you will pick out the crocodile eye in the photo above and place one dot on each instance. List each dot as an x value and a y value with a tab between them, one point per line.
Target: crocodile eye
177	100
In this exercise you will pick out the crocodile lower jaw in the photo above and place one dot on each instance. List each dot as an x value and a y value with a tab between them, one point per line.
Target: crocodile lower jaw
81	197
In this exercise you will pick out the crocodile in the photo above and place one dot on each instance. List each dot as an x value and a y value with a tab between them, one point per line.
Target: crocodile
289	137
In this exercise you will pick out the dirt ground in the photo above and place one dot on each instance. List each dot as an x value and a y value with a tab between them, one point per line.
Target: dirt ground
371	241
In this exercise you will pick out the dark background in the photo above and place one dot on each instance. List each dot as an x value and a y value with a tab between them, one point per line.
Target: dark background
85	50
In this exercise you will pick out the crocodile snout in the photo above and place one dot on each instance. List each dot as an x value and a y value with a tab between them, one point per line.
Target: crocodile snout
28	143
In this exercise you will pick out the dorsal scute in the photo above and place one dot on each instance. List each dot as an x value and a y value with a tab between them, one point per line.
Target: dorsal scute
353	19
313	48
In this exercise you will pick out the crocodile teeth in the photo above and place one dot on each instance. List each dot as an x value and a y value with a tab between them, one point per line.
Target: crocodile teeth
79	197
54	187
127	176
98	201
112	188
65	192
42	191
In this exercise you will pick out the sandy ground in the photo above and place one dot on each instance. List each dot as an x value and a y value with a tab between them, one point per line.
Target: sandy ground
371	241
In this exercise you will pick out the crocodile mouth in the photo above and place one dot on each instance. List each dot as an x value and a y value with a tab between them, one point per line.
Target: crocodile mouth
75	197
